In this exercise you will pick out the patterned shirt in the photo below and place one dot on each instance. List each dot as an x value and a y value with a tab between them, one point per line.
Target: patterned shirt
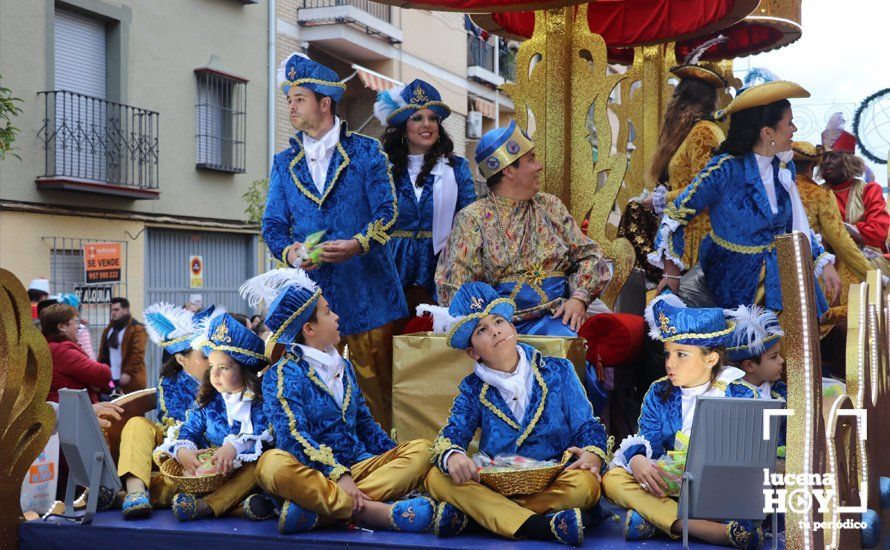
498	239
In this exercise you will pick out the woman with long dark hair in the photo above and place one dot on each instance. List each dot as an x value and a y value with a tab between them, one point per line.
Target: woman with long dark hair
750	191
686	143
432	183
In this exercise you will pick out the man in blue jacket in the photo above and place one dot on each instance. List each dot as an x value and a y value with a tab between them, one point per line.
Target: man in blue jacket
340	182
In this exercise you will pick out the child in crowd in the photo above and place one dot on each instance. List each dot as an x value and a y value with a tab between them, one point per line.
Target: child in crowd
228	417
693	340
333	461
756	348
173	329
525	404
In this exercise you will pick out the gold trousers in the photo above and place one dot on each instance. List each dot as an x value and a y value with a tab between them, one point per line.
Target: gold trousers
624	490
503	515
371	356
388	476
139	438
241	485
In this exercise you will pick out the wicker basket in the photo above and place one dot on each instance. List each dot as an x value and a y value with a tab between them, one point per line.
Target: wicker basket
172	469
523	482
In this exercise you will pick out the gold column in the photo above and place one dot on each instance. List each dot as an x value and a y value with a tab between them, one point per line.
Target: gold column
26	420
806	428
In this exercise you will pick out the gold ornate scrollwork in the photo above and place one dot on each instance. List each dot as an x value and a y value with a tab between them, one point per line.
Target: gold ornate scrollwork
26	421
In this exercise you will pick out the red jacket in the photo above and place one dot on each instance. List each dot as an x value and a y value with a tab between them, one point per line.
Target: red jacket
73	369
875	221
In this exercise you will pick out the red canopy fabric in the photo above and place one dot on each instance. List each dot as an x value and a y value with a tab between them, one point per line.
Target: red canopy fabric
628	23
481	6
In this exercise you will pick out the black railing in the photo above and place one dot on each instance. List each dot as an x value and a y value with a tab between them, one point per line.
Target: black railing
507	65
480	53
380	11
89	138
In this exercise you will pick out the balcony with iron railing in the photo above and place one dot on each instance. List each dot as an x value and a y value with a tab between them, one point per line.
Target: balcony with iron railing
94	145
353	29
481	65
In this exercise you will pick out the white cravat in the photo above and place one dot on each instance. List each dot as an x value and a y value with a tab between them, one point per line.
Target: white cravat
765	167
329	366
444	202
415	164
689	396
319	154
238	406
765	390
515	387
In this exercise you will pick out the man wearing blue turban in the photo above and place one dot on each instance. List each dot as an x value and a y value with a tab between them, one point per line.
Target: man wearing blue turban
338	182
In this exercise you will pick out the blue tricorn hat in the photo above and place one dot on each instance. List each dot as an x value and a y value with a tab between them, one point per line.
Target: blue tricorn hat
170	327
671	321
756	330
501	147
222	332
291	296
395	106
472	303
299	70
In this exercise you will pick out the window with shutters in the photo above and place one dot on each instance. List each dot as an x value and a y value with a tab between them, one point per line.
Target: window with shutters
220	119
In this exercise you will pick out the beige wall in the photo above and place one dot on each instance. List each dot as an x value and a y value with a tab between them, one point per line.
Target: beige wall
25	245
168	39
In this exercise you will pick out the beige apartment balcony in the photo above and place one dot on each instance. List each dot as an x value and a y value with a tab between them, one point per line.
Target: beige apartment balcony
358	30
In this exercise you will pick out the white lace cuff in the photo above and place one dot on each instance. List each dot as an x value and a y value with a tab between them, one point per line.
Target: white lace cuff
619	460
659	199
447	456
822	261
248	446
172	446
665	234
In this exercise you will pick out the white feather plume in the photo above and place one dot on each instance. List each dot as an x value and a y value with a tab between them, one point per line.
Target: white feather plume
442	320
267	287
695	55
175	322
753	325
281	77
202	329
668	298
387	102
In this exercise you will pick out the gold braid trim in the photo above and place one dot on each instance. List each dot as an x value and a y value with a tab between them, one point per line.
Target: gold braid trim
236	349
378	229
741	248
323	454
176	340
411	234
681	211
347	389
499	413
163	403
579	523
442	445
536	358
298	183
467	318
764	341
605	455
300	81
284	256
417	107
363	240
730	326
312	299
343	164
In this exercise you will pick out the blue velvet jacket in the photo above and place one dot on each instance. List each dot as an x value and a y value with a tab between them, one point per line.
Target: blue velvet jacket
310	425
558	416
208	426
779	390
359	201
176	395
412	243
661	417
744	229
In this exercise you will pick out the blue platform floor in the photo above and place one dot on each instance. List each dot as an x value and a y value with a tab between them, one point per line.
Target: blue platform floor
163	532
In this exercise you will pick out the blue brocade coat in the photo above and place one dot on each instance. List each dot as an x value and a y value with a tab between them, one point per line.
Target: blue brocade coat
413	255
208	426
359	201
558	416
661	418
745	228
310	425
176	395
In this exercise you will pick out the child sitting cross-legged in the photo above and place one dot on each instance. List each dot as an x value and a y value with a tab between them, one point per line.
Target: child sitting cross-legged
641	479
333	462
228	419
526	404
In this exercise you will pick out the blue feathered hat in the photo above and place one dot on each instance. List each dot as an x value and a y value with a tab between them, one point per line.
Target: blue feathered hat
394	107
500	147
299	70
169	326
472	303
671	321
291	296
203	314
756	330
222	332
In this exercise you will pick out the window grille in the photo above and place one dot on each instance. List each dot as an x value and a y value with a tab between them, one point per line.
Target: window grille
221	122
